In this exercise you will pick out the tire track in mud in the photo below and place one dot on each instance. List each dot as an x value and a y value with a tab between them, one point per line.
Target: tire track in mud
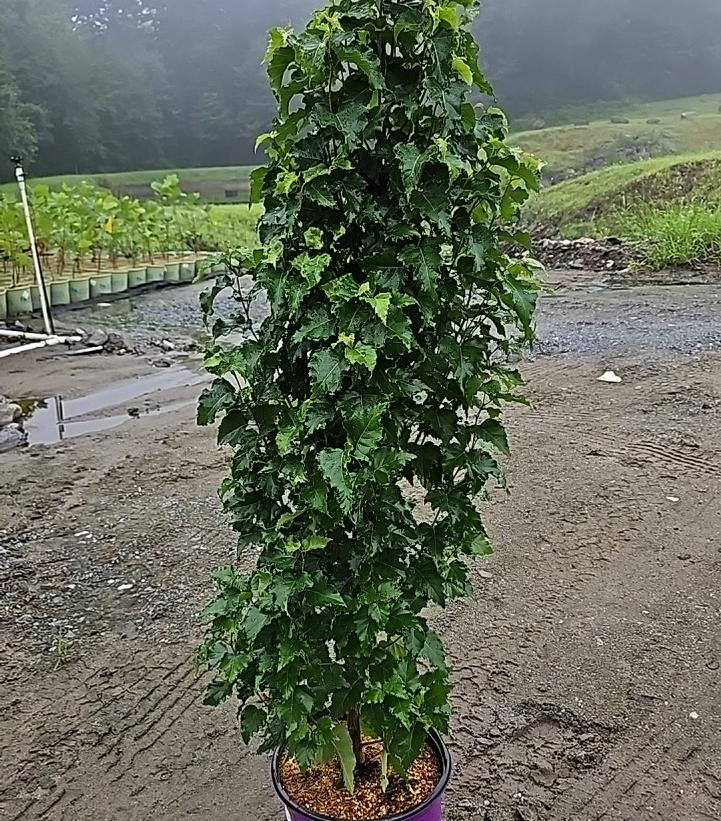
655	452
93	765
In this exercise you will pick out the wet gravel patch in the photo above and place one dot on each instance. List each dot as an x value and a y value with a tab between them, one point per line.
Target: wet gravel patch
654	320
658	323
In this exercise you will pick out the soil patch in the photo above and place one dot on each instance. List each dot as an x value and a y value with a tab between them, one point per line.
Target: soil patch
321	790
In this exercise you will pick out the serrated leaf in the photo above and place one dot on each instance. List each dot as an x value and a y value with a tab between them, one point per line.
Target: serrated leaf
253	622
461	67
344	749
307	545
252	720
381	305
362	355
327	368
425	261
284	439
365	432
214	400
480	546
322	595
310	267
447	12
411	161
319	325
313	237
433	651
493	431
332	464
257	180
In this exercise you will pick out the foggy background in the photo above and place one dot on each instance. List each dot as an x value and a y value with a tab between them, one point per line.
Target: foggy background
104	86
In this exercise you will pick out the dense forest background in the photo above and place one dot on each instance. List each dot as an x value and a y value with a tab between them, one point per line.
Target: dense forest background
102	85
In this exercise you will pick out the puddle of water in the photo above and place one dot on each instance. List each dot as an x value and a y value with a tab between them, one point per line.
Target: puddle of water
55	419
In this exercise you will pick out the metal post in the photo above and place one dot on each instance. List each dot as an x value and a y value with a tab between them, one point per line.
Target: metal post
44	307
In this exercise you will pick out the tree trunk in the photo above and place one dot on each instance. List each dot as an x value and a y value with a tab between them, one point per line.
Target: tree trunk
355	734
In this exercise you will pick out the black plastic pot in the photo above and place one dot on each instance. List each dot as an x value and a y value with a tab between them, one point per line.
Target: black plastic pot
430	810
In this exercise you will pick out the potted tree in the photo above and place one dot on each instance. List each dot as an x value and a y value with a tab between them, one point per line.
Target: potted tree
364	412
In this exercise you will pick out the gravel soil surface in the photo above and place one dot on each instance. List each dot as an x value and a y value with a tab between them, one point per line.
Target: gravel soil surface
587	663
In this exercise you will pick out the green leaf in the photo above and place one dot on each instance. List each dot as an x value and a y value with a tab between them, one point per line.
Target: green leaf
381	305
493	431
411	161
480	546
252	720
461	67
327	368
344	749
310	267
313	238
257	181
278	61
214	400
284	439
365	432
448	13
307	545
332	464
319	325
254	622
362	355
426	262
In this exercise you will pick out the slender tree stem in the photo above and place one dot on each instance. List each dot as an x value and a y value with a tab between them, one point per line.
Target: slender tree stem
354	729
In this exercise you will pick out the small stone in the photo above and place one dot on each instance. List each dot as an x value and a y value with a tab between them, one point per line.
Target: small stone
125	587
9	412
134	412
694	716
11	436
129	630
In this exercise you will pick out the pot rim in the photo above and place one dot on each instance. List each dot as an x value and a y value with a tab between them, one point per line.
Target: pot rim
436	743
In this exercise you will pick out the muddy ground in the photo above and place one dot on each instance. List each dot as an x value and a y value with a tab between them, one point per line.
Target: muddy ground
587	663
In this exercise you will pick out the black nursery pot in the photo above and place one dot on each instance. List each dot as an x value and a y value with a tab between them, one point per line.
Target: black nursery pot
430	810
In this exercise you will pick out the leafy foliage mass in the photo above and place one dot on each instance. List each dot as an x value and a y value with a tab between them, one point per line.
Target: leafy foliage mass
397	290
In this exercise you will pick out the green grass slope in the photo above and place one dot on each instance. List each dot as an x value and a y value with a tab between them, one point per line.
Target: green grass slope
572	150
621	198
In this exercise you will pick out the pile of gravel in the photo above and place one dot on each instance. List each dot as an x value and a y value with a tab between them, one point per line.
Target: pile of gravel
585	254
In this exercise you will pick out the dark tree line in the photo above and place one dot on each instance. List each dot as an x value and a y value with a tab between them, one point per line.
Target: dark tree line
103	85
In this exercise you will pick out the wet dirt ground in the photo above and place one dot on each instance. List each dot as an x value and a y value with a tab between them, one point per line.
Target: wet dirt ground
587	663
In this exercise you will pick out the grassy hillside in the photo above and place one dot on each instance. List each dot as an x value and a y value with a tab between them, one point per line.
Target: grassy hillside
575	205
669	208
212	183
572	150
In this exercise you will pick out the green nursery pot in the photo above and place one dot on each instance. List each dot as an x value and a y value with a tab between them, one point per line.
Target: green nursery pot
19	301
79	290
120	281
137	277
3	306
155	273
172	272
60	293
101	285
187	271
